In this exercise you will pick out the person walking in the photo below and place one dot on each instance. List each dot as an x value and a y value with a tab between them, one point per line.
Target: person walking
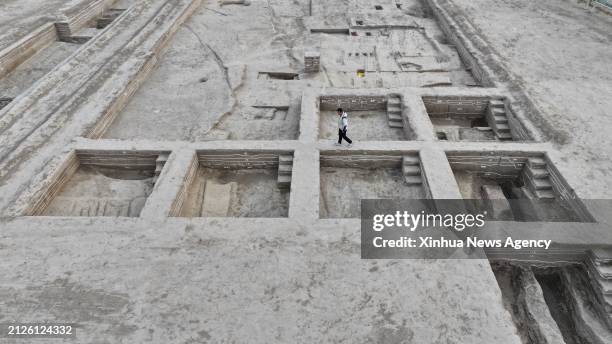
343	127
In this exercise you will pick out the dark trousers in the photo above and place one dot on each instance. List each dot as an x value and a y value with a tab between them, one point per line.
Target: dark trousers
342	135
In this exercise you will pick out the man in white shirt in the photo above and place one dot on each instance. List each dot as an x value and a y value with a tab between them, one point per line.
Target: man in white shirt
343	127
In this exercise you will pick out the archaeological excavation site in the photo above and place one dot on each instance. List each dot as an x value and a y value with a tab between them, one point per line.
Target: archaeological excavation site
171	172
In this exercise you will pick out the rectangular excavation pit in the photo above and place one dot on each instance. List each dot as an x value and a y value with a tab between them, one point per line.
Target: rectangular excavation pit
346	179
237	184
473	119
101	183
372	118
517	186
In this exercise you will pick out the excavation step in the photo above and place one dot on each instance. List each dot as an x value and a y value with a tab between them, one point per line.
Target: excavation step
601	255
499	112
504	136
413	180
604	270
108	17
411	160
394	101
395	117
497	103
503	127
285	168
159	164
394	107
537	173
603	284
411	168
544	194
501	119
541	184
284	181
285	160
536	162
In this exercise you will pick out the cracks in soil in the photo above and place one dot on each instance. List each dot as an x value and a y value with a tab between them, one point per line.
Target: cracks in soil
225	70
216	56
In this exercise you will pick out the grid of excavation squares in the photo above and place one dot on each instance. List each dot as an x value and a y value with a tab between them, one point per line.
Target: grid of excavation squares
517	186
462	118
237	184
347	178
115	184
371	118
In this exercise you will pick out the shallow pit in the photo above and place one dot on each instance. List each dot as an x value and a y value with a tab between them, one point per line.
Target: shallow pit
347	179
370	118
238	185
102	184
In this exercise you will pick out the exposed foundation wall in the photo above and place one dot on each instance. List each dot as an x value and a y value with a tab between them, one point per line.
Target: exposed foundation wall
497	166
369	161
52	187
239	160
354	103
464	105
122	160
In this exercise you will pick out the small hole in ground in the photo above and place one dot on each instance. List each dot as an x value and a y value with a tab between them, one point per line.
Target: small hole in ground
441	136
203	79
378	7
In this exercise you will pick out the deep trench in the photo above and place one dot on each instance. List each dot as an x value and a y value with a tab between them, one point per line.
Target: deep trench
557	298
511	279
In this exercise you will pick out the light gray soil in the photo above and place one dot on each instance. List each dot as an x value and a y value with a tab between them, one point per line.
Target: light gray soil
342	189
256	194
102	192
369	125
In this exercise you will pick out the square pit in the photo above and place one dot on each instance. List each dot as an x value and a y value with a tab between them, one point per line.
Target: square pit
522	186
347	179
370	118
111	184
463	118
236	184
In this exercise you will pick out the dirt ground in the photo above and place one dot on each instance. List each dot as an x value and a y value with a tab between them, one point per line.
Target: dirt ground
559	53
